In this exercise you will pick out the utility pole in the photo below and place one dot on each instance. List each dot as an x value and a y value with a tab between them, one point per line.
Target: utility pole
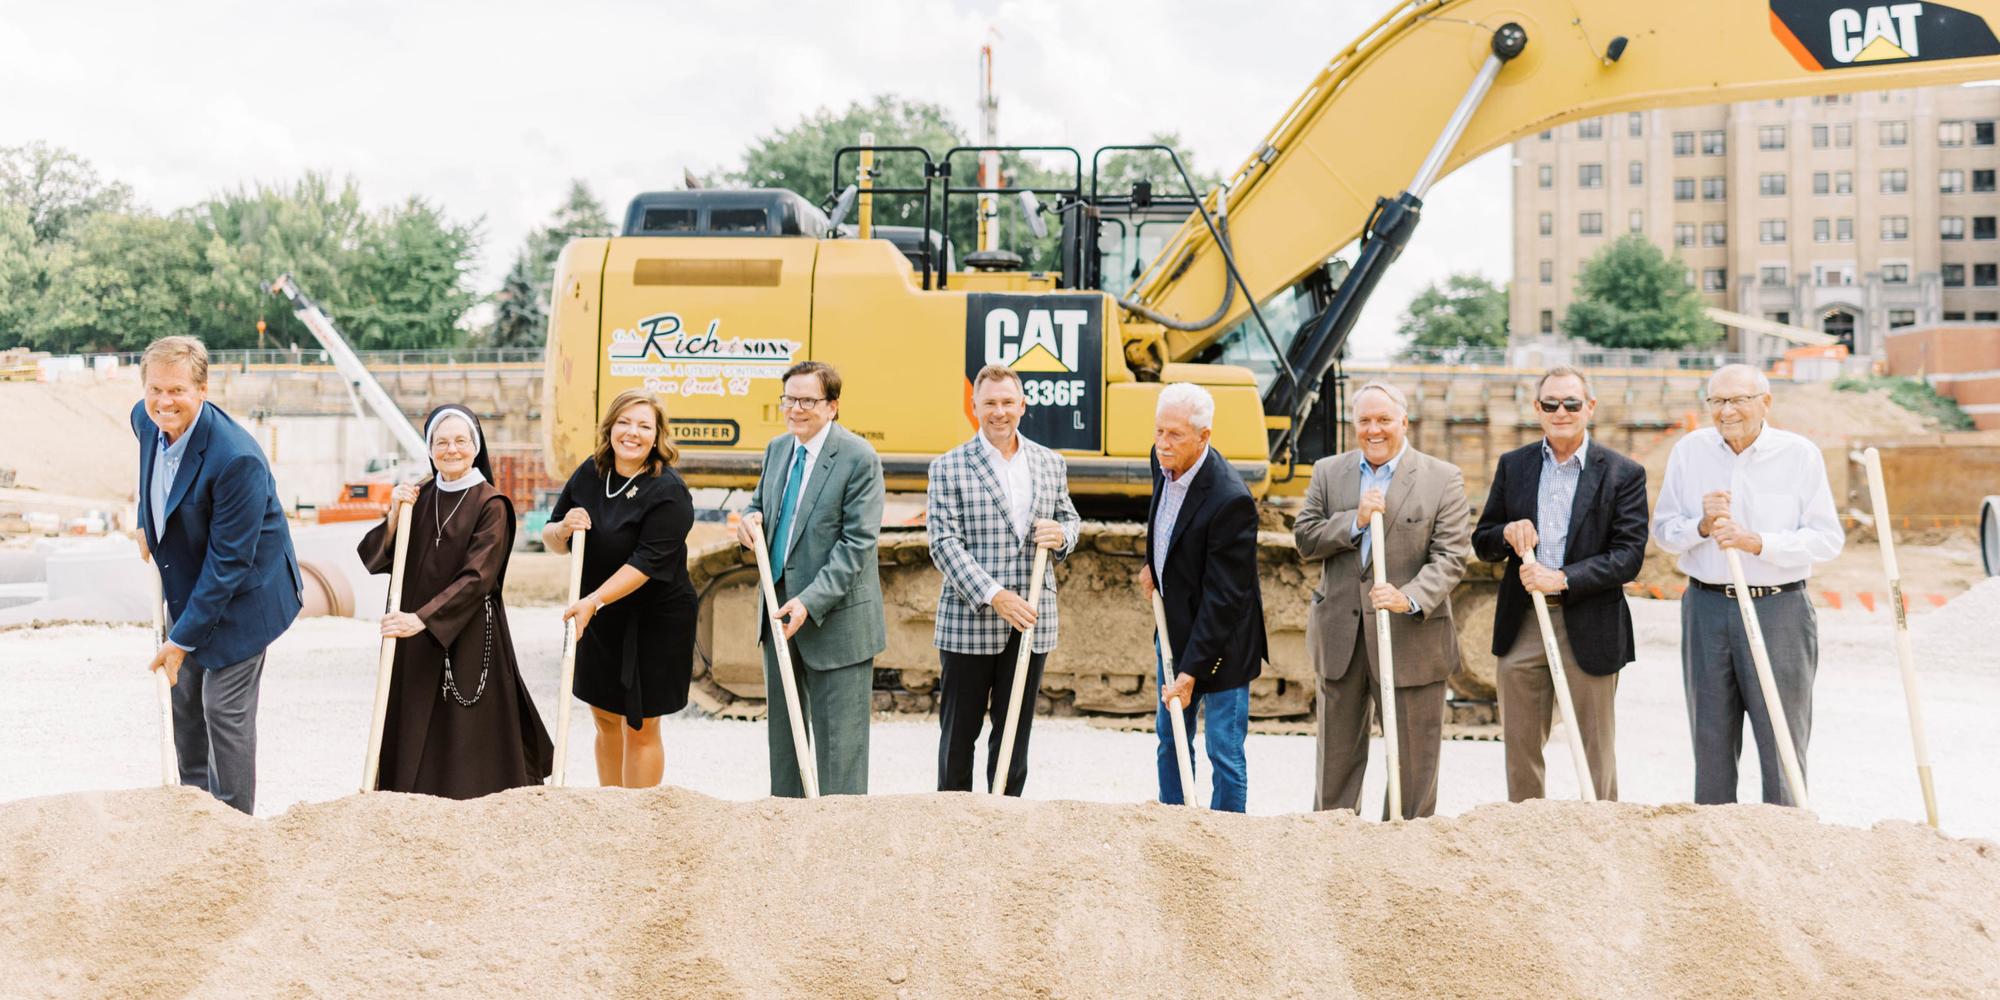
989	135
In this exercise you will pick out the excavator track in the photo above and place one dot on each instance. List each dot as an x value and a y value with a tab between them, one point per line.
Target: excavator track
1102	664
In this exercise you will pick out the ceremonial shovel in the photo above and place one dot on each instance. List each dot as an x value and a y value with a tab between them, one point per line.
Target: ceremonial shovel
808	775
1004	763
1387	701
563	697
372	769
170	772
1904	654
1781	727
1178	724
1560	677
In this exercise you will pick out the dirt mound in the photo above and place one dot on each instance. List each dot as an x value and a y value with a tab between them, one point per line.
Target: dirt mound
73	438
668	893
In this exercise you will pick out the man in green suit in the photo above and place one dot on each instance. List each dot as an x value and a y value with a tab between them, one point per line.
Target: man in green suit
822	486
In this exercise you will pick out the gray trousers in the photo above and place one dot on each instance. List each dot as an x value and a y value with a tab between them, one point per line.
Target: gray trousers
1345	707
215	730
838	706
1528	705
1721	681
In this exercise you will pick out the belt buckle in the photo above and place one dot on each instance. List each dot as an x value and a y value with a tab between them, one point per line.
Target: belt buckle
1729	591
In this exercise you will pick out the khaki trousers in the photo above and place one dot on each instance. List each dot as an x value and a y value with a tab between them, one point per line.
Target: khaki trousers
1528	705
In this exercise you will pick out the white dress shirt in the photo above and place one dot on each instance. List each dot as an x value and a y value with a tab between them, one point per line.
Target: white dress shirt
1017	481
1777	488
1173	492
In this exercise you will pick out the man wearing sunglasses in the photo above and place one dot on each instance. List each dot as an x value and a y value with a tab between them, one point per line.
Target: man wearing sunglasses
1749	486
1580	508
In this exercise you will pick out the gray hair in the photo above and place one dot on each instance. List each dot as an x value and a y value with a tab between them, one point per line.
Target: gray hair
1757	377
1561	371
1199	404
1395	395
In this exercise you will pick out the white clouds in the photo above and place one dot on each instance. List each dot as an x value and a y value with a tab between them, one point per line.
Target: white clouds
488	109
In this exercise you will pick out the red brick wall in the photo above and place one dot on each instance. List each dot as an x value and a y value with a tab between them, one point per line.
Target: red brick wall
1938	353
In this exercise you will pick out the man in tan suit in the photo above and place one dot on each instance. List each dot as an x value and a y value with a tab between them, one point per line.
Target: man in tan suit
1427	529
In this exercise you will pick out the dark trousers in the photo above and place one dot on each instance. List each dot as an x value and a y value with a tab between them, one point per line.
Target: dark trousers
1345	707
973	688
1722	687
215	730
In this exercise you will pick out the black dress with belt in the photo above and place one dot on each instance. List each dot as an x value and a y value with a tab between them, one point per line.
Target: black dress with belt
636	656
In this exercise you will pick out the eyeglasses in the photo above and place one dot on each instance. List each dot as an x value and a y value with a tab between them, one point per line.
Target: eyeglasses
1718	402
799	402
1570	403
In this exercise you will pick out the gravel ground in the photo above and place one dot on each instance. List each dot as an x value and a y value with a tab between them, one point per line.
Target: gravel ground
78	716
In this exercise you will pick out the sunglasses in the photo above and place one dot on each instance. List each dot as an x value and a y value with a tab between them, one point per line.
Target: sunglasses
1572	404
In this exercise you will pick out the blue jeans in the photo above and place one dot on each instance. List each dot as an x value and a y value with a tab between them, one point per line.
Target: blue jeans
1228	724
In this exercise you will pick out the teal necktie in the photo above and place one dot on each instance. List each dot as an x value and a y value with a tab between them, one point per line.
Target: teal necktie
786	508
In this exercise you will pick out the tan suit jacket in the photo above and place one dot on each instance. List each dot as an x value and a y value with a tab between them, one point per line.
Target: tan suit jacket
1428	529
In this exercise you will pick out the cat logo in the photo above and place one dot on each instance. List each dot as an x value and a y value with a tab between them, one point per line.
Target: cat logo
1055	343
1830	34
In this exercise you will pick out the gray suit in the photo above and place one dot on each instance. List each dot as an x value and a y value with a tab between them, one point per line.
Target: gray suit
830	567
1427	528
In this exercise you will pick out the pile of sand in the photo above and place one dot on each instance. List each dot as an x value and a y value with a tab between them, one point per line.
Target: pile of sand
1959	636
73	438
668	893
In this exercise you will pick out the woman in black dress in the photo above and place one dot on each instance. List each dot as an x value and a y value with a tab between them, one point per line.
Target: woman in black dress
635	622
460	721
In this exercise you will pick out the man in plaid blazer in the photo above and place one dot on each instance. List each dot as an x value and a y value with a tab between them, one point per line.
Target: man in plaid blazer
991	502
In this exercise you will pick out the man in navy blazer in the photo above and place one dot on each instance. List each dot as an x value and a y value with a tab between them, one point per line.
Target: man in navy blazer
217	535
1581	509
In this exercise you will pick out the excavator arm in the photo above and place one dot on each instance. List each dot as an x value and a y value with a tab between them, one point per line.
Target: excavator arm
1384	116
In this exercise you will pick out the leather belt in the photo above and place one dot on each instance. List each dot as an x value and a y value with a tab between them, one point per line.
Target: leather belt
1729	589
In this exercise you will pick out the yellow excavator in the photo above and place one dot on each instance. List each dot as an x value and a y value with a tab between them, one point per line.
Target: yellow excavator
707	295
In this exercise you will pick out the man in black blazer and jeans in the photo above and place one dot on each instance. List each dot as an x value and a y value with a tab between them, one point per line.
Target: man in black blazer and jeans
1581	509
1201	545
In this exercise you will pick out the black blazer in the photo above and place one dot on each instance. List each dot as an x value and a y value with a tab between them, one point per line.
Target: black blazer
1215	611
1606	546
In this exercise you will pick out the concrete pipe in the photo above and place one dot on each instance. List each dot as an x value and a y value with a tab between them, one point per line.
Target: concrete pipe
327	592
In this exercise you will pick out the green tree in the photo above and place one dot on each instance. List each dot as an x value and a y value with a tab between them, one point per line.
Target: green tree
20	274
1632	295
1465	310
57	188
521	305
520	316
407	280
123	281
311	230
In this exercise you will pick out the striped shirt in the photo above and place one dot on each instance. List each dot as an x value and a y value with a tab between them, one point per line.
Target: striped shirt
1555	499
1173	493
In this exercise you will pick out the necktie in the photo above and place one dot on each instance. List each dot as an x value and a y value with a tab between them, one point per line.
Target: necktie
786	509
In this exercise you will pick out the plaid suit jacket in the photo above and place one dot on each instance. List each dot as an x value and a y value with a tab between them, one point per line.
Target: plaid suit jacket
974	545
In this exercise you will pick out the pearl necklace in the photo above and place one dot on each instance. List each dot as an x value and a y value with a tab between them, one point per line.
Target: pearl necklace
627	489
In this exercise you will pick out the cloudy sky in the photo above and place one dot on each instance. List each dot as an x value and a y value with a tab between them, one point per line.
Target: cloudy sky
488	109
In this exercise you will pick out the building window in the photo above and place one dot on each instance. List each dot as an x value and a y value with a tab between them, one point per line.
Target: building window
1711	142
1590	175
1711	189
1545	176
1982	133
1635	124
1954	275
1843	136
1771	277
1902	317
1951	133
1895	133
1895	181
1714	234
1985	275
1590	223
1779	317
1635	173
1636	221
1951	182
1822	182
1771	137
1982	180
1548	321
1833	275
1822	230
1590	128
1771	185
1683	189
1895	274
1819	136
1843	230
1953	317
1683	143
1548	224
1548	272
1843	182
1547	134
1982	227
1714	279
1771	231
1951	227
1683	234
1986	317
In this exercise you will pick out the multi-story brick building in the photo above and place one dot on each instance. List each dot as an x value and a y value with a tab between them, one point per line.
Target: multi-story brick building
1851	214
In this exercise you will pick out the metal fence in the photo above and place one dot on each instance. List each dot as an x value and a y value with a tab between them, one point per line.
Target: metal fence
1579	356
373	359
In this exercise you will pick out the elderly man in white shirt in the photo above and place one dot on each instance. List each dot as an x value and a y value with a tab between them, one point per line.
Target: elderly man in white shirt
1748	486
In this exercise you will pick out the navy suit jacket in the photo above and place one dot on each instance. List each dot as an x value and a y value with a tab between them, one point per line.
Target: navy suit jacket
225	559
1210	592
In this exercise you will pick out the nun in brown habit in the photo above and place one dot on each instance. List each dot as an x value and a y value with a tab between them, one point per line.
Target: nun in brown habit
460	721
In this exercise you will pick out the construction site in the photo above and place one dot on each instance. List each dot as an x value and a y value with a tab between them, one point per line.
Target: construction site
116	881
